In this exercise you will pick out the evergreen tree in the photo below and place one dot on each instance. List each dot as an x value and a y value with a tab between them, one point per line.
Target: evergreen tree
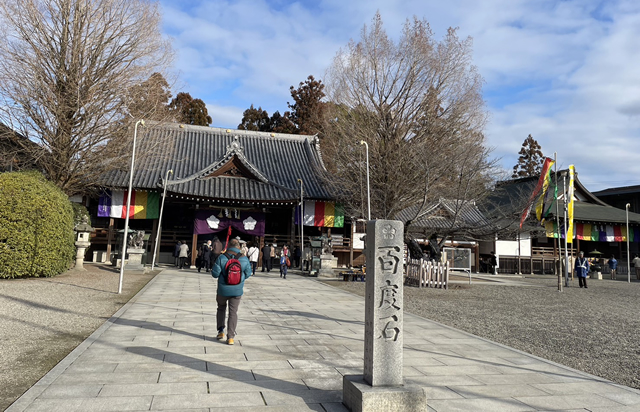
255	119
307	111
282	123
188	110
530	160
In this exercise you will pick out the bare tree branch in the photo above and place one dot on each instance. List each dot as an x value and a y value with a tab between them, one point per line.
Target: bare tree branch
67	71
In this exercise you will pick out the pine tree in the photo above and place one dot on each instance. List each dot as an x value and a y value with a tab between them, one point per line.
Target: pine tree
530	160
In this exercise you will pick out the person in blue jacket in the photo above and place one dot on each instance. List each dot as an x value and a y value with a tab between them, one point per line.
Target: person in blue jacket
582	270
613	266
229	294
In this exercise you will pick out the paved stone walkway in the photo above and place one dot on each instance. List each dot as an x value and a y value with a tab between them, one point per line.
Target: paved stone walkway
296	338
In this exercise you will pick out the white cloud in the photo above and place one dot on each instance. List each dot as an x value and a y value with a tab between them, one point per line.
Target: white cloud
565	72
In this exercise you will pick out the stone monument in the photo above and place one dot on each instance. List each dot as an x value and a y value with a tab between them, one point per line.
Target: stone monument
135	250
382	387
327	261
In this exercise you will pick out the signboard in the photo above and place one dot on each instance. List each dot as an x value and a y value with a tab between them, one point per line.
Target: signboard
458	258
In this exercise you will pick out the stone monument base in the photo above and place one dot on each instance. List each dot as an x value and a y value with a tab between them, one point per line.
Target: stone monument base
135	259
596	275
327	264
359	396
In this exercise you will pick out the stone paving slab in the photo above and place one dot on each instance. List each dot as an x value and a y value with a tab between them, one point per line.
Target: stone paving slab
296	339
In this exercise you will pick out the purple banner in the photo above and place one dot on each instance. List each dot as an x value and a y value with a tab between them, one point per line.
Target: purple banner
104	204
208	221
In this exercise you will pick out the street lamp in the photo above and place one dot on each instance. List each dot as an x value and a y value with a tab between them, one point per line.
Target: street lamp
366	146
158	237
628	256
126	220
301	225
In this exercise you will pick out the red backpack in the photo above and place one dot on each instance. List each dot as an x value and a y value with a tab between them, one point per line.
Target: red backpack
233	269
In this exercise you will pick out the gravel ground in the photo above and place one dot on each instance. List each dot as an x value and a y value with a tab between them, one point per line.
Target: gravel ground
43	319
595	330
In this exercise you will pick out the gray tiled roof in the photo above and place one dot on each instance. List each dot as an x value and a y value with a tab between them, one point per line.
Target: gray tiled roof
274	160
439	215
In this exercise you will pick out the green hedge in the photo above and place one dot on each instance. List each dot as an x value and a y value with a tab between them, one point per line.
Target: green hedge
36	227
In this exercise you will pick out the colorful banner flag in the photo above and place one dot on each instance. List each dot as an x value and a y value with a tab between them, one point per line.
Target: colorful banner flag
572	172
144	205
545	170
321	214
541	213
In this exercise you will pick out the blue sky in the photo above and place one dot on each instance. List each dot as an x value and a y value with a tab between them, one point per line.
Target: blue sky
566	72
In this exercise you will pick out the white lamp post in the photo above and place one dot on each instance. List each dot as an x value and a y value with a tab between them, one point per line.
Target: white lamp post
301	225
126	220
158	237
366	146
628	256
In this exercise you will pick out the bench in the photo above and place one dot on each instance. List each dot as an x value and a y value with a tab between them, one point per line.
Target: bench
353	276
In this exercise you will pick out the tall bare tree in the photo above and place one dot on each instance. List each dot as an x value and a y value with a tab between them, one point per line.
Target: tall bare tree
67	68
417	103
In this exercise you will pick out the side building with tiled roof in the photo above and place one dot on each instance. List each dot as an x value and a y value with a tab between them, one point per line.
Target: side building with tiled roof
223	183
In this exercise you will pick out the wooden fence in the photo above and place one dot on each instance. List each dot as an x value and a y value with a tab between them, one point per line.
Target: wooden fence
426	274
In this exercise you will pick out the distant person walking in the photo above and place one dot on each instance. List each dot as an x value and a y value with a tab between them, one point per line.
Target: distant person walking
284	262
266	258
613	266
176	254
582	270
297	254
184	253
493	264
253	254
636	265
216	249
229	295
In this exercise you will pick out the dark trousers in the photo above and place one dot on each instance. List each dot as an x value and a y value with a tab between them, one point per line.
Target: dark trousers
266	263
234	304
183	261
283	270
582	281
254	265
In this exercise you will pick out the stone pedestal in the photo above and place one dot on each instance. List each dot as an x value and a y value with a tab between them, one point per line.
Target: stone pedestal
382	388
135	259
327	264
596	275
359	396
82	247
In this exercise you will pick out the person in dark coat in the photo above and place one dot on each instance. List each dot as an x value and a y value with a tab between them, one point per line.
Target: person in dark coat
229	294
266	258
582	270
203	256
216	249
176	253
207	256
297	254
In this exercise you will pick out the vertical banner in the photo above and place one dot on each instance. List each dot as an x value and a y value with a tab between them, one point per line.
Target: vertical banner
572	172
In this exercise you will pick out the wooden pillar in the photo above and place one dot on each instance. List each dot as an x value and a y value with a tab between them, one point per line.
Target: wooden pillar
260	246
292	228
110	237
194	249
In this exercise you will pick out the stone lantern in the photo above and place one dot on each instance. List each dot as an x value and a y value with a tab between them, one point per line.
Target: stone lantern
83	230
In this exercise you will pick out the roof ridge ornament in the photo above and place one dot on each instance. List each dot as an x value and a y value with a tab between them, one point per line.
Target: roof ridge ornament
234	147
